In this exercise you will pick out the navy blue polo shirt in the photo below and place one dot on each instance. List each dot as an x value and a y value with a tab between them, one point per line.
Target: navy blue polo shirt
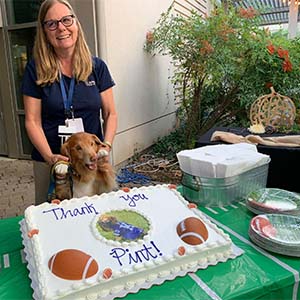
86	102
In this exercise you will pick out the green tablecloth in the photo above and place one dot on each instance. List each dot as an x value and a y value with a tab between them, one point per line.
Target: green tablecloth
257	274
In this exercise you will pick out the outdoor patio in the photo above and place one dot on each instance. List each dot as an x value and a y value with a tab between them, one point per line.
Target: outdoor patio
16	186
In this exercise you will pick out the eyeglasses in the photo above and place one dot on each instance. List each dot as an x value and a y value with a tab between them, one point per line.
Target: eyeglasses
52	25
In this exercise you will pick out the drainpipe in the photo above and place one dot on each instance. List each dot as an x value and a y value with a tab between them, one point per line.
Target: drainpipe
293	19
1	22
95	22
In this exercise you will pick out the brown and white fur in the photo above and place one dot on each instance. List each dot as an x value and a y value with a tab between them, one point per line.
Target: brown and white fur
91	171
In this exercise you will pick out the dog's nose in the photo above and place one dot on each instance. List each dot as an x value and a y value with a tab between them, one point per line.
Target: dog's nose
93	158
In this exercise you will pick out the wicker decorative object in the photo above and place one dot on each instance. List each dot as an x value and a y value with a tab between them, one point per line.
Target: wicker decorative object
273	110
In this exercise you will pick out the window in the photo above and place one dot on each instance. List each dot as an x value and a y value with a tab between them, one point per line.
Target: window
22	11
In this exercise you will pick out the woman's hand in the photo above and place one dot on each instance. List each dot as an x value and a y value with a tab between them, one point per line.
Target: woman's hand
54	158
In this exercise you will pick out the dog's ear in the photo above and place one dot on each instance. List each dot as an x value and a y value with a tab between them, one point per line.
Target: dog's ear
65	149
97	141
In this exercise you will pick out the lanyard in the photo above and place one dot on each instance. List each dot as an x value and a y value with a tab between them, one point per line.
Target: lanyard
67	99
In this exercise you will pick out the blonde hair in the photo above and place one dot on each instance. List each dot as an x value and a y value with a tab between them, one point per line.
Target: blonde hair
47	64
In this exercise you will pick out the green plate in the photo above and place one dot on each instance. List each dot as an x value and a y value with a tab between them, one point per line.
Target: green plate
279	229
272	199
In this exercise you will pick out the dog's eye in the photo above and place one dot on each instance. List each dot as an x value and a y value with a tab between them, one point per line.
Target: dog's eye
97	143
78	147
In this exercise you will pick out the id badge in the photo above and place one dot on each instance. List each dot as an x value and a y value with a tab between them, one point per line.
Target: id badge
77	124
72	126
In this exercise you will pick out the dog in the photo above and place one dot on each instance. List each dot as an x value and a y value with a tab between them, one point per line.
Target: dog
120	229
88	171
107	222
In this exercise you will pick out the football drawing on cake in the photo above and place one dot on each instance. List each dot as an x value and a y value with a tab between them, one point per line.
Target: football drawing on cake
72	264
192	231
106	246
123	225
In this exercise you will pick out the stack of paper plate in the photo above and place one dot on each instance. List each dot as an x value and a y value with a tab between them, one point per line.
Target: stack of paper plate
277	233
270	200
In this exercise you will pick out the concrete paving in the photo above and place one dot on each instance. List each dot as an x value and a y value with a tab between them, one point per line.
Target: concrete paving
16	186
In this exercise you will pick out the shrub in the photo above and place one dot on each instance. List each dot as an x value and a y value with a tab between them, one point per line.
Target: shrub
223	63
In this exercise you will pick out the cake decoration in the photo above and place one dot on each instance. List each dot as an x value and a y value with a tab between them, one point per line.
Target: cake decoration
107	273
61	213
192	205
144	253
104	247
172	186
72	264
32	232
133	199
55	201
192	231
181	250
123	225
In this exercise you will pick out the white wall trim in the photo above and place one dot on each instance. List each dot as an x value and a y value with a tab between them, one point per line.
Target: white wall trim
96	28
1	21
101	38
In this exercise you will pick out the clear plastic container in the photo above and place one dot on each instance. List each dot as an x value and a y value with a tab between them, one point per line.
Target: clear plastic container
223	191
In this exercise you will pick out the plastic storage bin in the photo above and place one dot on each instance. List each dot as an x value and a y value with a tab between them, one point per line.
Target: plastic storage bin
223	191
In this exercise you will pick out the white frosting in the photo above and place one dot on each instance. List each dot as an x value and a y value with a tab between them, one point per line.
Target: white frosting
140	264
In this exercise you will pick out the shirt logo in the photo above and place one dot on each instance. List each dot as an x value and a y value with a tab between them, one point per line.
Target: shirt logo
90	83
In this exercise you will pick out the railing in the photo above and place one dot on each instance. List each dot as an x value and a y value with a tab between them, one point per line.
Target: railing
185	7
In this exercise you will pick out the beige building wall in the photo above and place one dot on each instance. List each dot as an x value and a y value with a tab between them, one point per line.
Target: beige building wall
143	92
116	31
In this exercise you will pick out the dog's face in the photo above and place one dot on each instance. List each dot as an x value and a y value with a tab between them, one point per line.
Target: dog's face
82	149
107	222
91	171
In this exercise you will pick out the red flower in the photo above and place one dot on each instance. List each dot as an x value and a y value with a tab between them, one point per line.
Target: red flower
287	66
248	13
271	48
283	53
225	31
207	48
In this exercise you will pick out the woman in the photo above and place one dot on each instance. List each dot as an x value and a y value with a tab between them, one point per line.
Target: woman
63	84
